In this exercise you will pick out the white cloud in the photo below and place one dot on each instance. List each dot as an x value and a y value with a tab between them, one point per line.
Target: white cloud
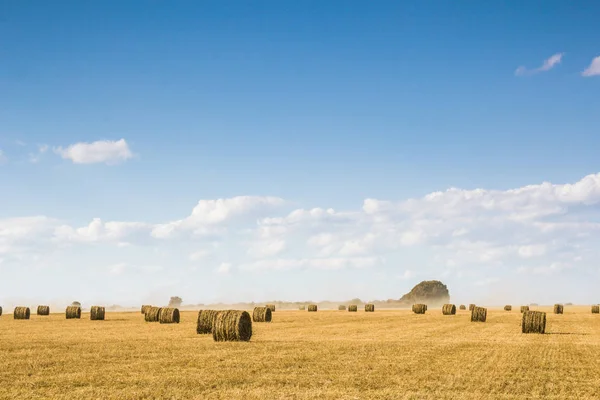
593	69
199	255
36	157
266	248
102	151
547	65
97	231
224	269
408	274
333	263
532	251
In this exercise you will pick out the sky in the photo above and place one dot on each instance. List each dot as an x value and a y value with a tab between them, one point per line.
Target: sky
267	150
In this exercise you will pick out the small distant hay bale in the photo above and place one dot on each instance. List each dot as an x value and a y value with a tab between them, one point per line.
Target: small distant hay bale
479	314
533	322
419	308
169	316
524	308
369	307
342	308
302	308
232	326
73	312
449	309
508	307
152	314
0	311
271	307
471	307
595	309
261	314
462	307
145	308
22	313
97	313
312	308
353	308
558	309
206	321
43	310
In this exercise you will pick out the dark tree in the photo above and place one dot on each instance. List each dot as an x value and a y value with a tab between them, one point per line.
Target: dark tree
175	302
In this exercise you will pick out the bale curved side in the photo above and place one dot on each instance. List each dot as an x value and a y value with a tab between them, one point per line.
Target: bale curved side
508	307
353	308
533	322
97	313
261	314
22	313
152	314
479	314
369	307
169	316
145	308
43	310
312	308
206	320
232	326
595	309
449	309
73	312
558	309
419	308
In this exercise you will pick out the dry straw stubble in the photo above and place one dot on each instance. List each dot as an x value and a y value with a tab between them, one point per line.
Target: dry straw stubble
533	322
206	321
152	314
261	314
449	309
312	308
353	308
97	313
73	312
479	314
369	307
22	313
43	310
168	316
558	309
232	326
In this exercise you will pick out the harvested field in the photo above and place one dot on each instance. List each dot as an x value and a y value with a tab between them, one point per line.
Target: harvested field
390	354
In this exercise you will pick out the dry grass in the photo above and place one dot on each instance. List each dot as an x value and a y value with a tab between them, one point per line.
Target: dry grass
390	354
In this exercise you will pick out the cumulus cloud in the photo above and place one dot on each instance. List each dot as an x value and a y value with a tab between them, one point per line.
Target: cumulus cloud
98	231
547	65
593	69
224	269
333	263
102	151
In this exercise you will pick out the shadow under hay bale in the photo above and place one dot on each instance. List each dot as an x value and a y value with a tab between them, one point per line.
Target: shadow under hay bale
449	309
206	321
145	308
479	314
558	309
43	310
302	308
353	308
168	316
533	322
73	312
152	314
462	307
22	313
342	308
369	307
471	307
419	308
97	313
232	326
508	307
312	308
271	307
524	308
595	309
261	314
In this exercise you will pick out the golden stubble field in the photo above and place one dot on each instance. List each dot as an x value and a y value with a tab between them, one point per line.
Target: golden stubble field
388	354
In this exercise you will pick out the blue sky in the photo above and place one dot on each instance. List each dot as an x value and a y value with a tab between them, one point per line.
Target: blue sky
135	113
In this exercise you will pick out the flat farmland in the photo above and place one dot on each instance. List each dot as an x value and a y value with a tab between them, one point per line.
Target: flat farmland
388	354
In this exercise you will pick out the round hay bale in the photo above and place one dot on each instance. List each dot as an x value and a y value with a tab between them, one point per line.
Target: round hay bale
152	314
261	314
145	308
97	313
302	308
43	310
449	309
312	308
508	307
232	325
369	307
533	322
558	309
0	311
206	321
419	308
22	313
462	307
524	308
342	308
479	314
168	316
595	309
471	307
73	312
271	307
353	308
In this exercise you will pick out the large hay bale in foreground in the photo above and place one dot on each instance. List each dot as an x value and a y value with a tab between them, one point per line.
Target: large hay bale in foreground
558	309
524	308
43	310
449	309
595	309
97	313
462	307
342	308
169	316
419	308
353	308
271	307
261	314
508	307
312	308
533	322
232	325
73	312
369	307
479	314
145	308
152	314
22	313
471	307
206	321
302	308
